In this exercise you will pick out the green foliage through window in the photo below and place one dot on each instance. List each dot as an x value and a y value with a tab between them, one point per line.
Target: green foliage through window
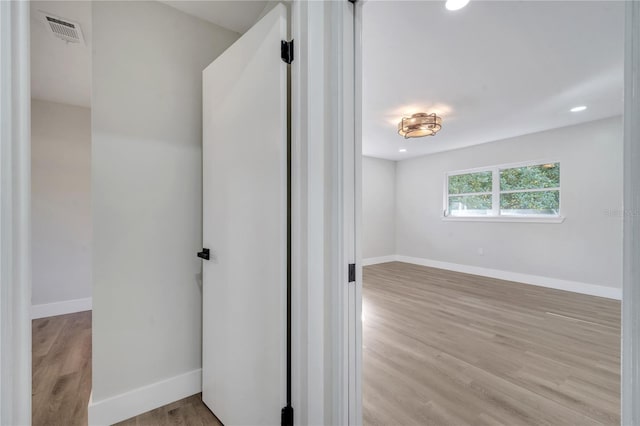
470	183
539	202
524	191
530	177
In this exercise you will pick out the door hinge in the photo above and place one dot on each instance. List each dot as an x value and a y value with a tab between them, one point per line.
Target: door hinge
204	254
286	51
287	416
352	272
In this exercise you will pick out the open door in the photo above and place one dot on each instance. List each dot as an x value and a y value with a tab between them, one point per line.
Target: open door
245	227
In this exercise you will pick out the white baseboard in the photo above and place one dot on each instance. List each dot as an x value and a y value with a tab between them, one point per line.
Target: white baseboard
61	308
573	286
137	401
375	260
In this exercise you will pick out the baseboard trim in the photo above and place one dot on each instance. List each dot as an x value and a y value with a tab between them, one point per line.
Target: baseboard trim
375	260
61	308
137	401
555	283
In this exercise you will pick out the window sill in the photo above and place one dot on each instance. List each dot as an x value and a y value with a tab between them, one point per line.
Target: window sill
555	219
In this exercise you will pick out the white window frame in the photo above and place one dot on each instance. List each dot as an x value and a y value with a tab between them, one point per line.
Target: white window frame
495	192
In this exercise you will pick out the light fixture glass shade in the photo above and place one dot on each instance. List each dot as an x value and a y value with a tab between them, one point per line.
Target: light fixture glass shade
419	125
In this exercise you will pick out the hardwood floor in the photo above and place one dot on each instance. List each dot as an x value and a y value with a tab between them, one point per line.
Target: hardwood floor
61	363
186	412
445	348
61	369
440	348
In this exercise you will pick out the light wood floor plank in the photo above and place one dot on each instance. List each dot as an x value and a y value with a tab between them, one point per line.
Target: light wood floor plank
61	382
61	369
189	411
446	348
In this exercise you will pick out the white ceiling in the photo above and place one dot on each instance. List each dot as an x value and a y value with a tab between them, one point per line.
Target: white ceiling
234	15
493	70
61	71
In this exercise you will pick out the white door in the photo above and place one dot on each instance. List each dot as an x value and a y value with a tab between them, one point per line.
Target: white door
245	227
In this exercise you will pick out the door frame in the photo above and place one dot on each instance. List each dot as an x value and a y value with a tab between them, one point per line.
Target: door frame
630	346
15	214
325	326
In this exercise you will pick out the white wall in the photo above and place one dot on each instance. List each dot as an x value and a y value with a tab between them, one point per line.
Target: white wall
61	202
378	207
146	168
586	248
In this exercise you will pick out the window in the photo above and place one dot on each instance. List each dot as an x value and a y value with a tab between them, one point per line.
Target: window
511	191
470	194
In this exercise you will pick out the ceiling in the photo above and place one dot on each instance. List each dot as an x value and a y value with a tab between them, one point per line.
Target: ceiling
61	71
492	70
234	15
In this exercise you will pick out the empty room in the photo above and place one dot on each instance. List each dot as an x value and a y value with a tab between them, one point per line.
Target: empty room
492	192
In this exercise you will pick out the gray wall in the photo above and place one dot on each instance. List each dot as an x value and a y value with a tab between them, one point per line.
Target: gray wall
146	172
61	202
378	207
586	248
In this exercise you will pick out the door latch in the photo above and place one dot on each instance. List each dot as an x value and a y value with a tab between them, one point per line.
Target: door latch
204	254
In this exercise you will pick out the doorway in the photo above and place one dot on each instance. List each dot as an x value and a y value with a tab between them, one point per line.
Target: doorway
61	229
447	213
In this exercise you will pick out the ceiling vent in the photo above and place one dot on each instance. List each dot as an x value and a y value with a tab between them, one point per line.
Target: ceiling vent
64	29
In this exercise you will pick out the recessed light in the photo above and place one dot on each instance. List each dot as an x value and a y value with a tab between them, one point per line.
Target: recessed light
402	150
578	108
456	4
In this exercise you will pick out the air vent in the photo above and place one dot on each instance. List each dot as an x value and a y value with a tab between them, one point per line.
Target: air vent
63	28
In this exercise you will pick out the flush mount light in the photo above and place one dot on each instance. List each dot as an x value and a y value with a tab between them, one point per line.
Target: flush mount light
402	150
419	125
456	4
578	108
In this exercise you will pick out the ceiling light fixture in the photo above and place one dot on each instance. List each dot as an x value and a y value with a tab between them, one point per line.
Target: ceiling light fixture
419	125
402	150
456	4
578	108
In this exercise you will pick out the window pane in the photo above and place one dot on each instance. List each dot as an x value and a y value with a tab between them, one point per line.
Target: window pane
470	205
530	177
470	183
530	203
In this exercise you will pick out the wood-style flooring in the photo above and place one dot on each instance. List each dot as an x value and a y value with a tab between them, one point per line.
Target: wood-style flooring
61	370
445	348
190	411
440	348
62	379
